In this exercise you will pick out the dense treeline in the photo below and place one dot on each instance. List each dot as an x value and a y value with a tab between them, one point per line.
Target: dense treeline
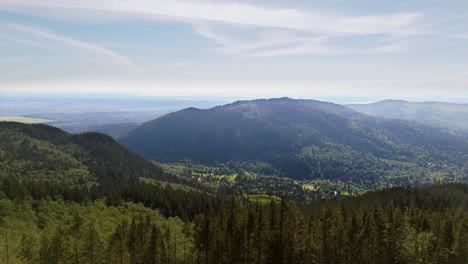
393	226
399	225
48	231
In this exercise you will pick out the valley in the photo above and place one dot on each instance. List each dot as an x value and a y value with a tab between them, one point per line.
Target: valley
300	149
316	143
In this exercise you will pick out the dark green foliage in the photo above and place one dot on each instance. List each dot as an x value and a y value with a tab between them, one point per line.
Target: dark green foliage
367	229
47	153
305	139
398	225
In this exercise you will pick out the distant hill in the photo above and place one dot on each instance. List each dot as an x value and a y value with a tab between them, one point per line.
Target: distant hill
44	152
301	139
113	130
453	116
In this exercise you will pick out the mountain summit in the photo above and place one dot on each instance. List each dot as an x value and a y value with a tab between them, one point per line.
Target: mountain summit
302	139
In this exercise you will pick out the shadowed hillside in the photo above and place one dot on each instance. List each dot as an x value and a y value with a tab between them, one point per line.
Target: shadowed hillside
302	139
42	152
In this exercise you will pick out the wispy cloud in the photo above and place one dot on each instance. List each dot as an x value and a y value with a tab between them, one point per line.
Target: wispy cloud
266	43
460	36
43	38
245	14
10	38
271	43
10	60
279	31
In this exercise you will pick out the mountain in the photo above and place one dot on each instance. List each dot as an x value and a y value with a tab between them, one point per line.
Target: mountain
302	139
43	152
453	116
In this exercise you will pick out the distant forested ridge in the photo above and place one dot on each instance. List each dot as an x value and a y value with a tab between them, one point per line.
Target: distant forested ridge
50	214
305	139
450	115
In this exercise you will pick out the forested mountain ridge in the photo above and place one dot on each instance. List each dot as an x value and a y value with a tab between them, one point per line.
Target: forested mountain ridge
47	153
301	139
449	115
43	220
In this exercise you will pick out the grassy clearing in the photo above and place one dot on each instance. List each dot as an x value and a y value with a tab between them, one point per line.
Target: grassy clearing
262	198
174	186
26	120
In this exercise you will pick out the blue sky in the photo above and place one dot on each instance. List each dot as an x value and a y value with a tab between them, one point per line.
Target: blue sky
400	49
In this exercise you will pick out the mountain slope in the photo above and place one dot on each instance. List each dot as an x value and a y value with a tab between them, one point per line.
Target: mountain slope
43	152
302	139
453	116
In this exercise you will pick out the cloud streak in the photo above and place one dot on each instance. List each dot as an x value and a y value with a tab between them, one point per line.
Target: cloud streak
307	31
274	43
39	37
244	14
460	36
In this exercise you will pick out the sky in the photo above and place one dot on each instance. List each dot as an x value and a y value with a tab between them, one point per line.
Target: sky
305	49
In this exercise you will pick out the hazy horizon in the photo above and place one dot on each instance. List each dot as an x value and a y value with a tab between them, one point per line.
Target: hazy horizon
44	104
236	49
